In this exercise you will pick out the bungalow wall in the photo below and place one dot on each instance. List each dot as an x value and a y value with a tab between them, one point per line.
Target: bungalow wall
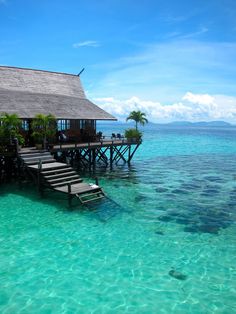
75	130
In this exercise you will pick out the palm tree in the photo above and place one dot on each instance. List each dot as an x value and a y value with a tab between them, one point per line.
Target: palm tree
44	126
138	117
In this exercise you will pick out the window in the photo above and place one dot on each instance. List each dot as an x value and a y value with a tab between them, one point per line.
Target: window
82	124
63	125
25	125
85	124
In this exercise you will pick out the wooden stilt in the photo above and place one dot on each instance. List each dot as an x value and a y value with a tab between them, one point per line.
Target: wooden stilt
94	159
104	152
111	157
131	156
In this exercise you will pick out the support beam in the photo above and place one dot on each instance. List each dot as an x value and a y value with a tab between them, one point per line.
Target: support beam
118	154
94	159
105	153
111	157
131	156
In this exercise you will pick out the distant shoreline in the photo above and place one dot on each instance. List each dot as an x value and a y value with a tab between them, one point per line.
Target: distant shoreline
180	124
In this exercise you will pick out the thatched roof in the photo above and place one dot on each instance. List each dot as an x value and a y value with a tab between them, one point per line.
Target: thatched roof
28	92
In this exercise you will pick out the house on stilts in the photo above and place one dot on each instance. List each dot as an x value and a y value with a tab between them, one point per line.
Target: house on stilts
27	92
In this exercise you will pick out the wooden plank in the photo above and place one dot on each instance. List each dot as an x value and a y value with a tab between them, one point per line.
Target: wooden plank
36	161
35	154
57	170
92	145
90	199
79	188
65	183
49	166
60	174
65	178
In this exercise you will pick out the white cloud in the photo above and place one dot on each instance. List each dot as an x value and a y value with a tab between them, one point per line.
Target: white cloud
87	43
192	107
204	99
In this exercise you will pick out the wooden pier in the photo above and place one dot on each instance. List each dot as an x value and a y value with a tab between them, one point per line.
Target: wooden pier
48	173
105	152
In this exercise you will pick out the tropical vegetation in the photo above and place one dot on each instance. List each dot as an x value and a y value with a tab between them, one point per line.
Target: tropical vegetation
139	118
10	125
133	134
44	127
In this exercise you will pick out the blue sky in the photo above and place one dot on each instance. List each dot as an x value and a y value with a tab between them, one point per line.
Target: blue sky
175	60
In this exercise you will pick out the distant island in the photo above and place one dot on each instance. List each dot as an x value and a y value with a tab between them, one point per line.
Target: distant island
198	124
178	124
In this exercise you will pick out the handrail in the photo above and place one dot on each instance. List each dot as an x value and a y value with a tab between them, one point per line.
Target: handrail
102	141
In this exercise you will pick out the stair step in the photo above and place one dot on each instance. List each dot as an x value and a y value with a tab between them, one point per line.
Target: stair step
79	188
32	150
61	174
91	199
26	155
39	156
65	183
61	169
36	161
48	166
63	179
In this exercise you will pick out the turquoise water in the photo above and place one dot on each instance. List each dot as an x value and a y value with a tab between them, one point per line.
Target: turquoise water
173	209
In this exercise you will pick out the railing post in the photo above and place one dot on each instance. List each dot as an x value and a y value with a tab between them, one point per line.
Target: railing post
69	188
69	194
39	176
40	164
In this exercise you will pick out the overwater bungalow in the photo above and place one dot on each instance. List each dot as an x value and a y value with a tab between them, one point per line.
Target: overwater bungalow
28	92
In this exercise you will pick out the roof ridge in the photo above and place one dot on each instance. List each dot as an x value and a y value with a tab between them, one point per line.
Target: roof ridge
30	69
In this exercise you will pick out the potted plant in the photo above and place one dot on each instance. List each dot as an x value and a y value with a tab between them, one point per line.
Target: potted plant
133	135
21	140
44	128
38	139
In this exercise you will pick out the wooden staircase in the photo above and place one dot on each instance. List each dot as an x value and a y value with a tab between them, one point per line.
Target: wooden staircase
48	173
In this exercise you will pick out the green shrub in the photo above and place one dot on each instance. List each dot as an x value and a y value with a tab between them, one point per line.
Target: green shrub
133	134
21	140
44	128
10	128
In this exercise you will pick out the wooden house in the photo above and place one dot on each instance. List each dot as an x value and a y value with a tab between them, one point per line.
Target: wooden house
28	92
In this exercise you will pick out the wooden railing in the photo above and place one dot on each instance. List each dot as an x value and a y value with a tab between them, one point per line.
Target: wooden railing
103	141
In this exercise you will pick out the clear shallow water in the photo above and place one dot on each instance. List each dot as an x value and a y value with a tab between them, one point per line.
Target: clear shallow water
168	210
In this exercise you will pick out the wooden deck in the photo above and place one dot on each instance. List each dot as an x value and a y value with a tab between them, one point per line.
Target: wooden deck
79	188
105	143
106	152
